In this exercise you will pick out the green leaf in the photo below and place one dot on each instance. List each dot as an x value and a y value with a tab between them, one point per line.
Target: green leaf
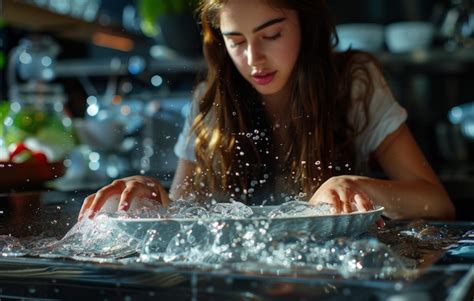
14	135
149	10
2	60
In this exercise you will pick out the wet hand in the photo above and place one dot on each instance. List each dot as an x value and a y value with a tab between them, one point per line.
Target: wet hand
127	189
345	195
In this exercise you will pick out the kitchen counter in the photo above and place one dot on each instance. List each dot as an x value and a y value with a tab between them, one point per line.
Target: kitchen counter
443	276
59	279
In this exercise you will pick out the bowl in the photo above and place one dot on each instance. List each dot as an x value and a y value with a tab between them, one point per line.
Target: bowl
29	174
100	135
409	36
319	226
360	36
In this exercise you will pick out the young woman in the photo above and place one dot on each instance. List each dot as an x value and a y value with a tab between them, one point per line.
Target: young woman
282	113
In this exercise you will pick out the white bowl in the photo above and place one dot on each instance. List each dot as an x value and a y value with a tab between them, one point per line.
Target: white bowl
319	226
360	36
100	135
409	36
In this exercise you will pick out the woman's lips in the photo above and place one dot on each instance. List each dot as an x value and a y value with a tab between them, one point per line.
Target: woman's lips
263	79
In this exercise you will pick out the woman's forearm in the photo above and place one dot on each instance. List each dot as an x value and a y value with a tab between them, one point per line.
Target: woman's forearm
409	199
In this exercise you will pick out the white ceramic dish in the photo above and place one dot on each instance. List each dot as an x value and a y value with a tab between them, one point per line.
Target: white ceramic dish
360	36
318	226
409	36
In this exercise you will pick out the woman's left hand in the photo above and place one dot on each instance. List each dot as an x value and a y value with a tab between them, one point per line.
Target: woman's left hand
344	194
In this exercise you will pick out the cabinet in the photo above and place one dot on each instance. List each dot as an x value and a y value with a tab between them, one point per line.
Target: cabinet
21	14
37	19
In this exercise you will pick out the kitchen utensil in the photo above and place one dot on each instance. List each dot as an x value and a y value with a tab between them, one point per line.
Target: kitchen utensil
457	27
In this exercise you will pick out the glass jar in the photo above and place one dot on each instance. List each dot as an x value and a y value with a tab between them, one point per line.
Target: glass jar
36	127
457	26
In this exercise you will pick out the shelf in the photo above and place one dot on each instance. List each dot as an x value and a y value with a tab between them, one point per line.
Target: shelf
433	59
119	66
23	15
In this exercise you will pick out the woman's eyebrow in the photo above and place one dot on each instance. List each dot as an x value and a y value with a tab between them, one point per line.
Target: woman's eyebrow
258	28
268	23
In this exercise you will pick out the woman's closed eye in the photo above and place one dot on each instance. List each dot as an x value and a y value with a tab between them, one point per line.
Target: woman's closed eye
236	43
273	37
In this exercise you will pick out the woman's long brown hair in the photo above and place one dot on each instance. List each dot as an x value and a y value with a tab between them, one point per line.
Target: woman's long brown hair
234	146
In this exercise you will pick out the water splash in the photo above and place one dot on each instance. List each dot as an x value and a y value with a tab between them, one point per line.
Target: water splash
232	236
11	246
299	208
89	239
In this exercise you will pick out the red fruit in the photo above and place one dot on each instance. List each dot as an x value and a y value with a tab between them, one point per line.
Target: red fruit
40	157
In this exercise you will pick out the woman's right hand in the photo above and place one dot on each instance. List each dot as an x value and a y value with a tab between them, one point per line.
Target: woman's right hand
127	189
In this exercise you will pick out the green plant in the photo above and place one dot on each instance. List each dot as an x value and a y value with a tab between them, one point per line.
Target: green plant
149	10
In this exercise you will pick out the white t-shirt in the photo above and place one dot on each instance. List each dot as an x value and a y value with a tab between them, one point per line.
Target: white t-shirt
385	116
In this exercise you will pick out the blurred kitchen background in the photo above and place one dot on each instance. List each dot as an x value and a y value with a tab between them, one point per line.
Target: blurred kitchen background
119	75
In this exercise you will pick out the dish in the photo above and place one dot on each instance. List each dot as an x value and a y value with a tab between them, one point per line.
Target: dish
29	174
409	36
361	36
318	226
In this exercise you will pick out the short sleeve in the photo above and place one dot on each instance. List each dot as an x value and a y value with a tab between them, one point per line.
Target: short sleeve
185	146
385	116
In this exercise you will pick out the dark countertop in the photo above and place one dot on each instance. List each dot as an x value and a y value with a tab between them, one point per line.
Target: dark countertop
58	279
53	213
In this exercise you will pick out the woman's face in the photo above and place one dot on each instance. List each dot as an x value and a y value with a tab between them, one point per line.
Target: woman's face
262	41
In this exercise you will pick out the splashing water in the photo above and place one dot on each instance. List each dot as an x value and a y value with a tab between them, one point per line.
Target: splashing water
231	210
95	240
299	208
219	235
11	246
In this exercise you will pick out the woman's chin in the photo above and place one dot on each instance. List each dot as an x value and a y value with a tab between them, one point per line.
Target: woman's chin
267	90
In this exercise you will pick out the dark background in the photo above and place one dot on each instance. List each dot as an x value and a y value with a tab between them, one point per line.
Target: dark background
428	91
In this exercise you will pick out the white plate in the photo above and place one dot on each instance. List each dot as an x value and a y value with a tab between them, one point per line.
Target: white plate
317	226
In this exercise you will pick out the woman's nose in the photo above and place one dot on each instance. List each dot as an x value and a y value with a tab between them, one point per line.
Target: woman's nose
255	55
